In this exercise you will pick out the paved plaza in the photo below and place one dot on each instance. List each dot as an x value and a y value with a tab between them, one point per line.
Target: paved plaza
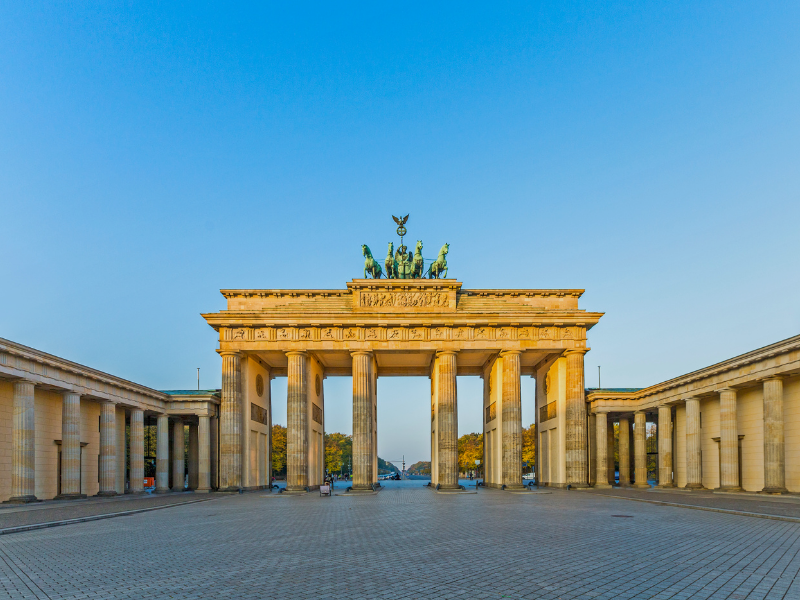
409	542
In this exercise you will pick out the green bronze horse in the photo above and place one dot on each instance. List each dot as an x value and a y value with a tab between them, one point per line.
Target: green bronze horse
439	266
418	269
390	263
371	266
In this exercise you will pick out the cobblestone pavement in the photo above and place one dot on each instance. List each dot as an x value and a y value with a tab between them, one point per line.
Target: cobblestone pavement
409	542
782	506
16	515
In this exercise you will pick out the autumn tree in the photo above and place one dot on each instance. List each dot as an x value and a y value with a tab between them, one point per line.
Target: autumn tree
470	449
529	445
338	452
279	449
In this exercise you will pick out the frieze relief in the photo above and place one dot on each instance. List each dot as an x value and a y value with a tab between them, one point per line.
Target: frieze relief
404	299
405	333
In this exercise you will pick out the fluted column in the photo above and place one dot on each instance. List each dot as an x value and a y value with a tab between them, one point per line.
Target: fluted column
512	421
70	446
108	449
728	442
23	444
213	424
577	450
204	454
447	423
137	451
592	449
297	426
178	453
665	447
694	473
362	421
610	461
230	452
193	457
162	454
640	449
624	452
601	422
774	449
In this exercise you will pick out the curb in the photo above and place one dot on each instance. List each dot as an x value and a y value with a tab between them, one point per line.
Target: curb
47	525
726	511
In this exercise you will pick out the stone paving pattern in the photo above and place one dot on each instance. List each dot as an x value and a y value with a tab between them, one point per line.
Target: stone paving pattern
408	542
16	515
782	506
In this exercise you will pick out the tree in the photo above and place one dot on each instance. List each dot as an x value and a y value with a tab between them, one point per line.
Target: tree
470	449
279	449
338	452
529	445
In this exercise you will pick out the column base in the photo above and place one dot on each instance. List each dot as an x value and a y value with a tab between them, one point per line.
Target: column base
624	484
602	486
203	490
774	490
22	500
729	488
70	497
578	486
665	486
106	494
694	486
641	486
361	489
162	491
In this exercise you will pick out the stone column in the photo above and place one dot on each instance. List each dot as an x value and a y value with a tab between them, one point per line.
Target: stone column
512	421
178	453
592	449
297	426
601	421
137	451
694	477
577	450
193	456
203	454
774	449
23	444
230	452
447	430
728	442
362	420
70	447
624	452
213	425
162	454
108	449
610	428
640	449
665	447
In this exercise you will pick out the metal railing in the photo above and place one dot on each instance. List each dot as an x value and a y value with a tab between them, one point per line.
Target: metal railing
547	412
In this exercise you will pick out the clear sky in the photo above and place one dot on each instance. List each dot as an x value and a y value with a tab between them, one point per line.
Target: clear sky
153	153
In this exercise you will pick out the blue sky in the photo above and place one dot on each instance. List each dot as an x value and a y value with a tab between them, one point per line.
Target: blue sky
151	154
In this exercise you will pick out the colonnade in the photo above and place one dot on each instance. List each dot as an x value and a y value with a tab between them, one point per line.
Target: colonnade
729	476
23	470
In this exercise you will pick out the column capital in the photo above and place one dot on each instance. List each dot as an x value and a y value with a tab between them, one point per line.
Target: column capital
446	352
296	353
229	352
576	351
779	377
359	353
691	399
23	380
510	352
727	388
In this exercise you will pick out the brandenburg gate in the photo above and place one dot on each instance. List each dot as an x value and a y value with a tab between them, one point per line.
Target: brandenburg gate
397	327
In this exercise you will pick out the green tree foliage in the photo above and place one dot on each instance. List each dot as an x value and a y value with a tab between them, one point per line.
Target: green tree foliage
279	449
420	468
470	449
386	467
